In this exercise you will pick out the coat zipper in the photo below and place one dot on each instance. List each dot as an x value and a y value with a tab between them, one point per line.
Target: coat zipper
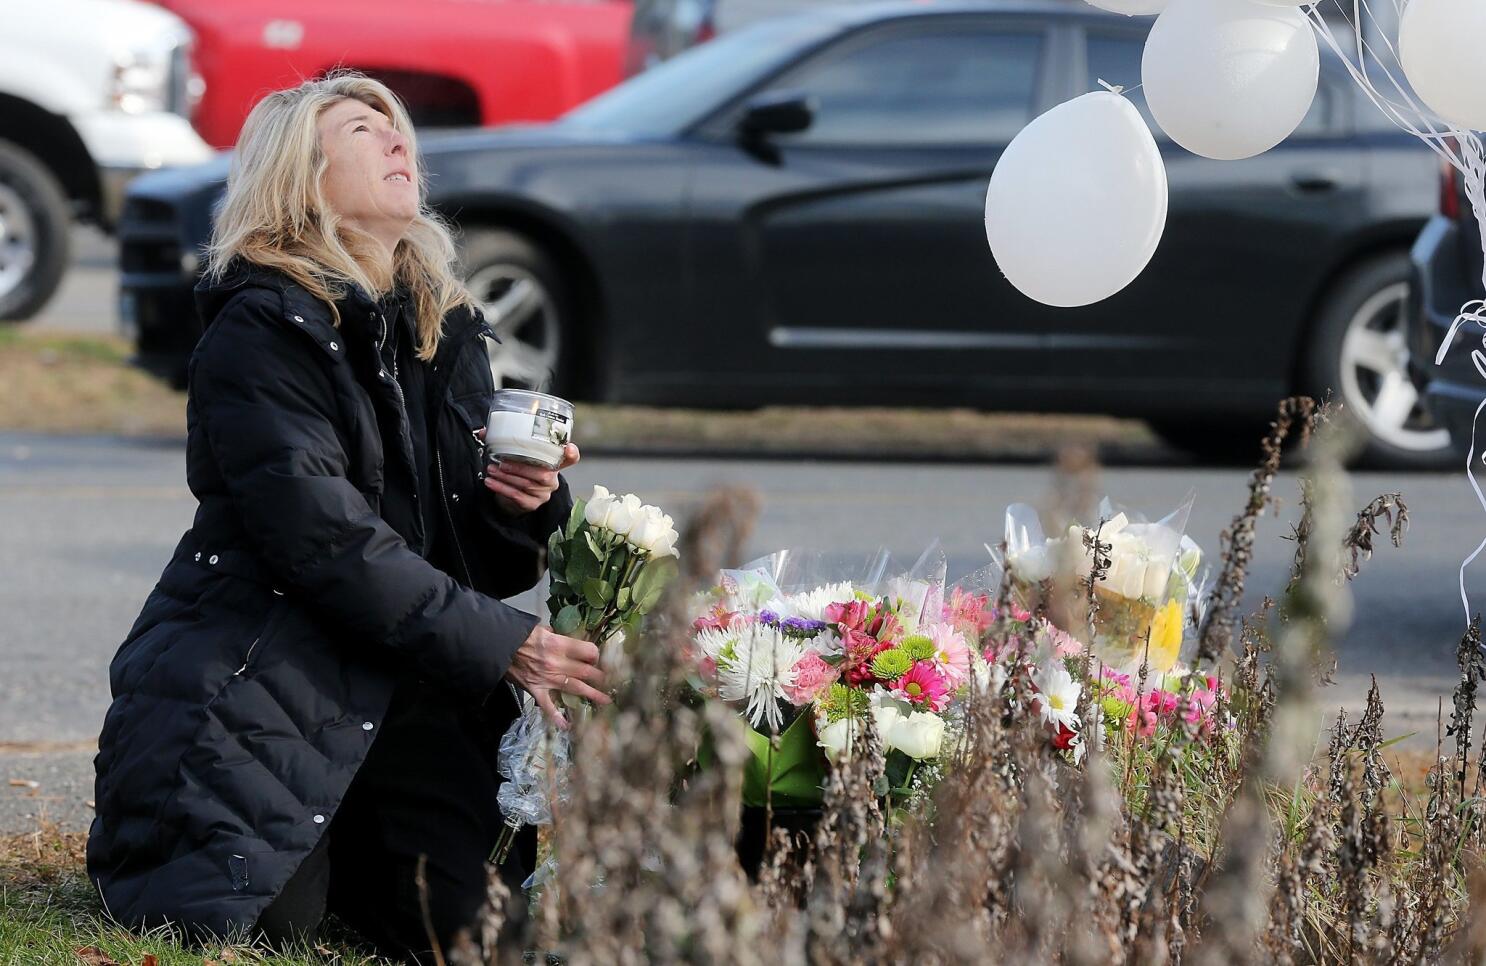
248	657
438	463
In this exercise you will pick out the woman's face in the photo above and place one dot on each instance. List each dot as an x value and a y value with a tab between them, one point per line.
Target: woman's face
370	181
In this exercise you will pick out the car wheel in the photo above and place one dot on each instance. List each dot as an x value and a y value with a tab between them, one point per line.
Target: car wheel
1359	354
526	303
34	225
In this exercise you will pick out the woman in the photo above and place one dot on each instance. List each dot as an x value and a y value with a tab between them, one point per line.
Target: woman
307	710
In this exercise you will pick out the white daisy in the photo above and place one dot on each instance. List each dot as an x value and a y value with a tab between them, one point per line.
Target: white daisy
761	666
1058	695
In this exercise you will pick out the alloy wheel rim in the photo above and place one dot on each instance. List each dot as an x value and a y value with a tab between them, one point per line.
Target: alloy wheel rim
1375	381
17	240
521	311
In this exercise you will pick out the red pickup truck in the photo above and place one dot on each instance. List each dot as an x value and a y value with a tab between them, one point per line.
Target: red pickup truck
454	62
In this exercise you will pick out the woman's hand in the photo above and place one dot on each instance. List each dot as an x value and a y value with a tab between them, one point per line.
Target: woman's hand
520	488
548	662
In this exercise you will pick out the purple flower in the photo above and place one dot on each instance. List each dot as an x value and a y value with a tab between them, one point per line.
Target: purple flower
792	626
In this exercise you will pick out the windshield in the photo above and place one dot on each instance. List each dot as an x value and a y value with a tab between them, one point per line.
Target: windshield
673	95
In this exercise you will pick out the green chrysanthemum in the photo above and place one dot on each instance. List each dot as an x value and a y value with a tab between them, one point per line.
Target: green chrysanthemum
841	701
918	647
891	664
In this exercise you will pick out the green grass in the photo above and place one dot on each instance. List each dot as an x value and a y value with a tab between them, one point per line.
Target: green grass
49	914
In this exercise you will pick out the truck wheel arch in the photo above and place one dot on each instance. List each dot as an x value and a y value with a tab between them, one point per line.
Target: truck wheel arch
56	144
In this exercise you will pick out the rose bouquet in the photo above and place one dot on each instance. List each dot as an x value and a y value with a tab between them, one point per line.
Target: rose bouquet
1126	585
608	567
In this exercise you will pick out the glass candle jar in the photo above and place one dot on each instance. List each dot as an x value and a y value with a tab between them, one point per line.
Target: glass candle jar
529	427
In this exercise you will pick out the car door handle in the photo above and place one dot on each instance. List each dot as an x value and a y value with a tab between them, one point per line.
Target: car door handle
1313	182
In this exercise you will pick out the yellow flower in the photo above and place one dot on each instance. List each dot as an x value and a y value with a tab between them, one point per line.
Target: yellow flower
1166	637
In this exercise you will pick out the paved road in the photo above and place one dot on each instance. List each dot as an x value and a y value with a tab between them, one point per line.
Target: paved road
87	525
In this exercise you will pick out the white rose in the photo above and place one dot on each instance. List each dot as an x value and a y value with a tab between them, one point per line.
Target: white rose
1034	564
834	737
654	532
599	508
917	735
622	515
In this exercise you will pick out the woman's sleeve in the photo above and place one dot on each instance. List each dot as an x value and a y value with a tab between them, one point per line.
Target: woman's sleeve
268	408
522	538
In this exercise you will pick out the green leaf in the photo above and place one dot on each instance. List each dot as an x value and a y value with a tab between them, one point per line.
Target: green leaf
599	553
622	602
597	592
651	582
791	775
568	621
575	519
581	563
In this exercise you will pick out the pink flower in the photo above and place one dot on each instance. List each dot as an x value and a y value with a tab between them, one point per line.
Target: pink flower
1064	644
861	648
923	684
1161	703
886	627
1143	723
850	615
708	668
970	613
812	676
1199	707
951	652
1020	615
716	619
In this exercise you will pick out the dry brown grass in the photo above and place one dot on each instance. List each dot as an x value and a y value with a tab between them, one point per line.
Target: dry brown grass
84	384
81	384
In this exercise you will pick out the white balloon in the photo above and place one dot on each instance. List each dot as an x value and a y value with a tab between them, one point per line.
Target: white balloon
1131	8
1229	79
1077	202
1442	44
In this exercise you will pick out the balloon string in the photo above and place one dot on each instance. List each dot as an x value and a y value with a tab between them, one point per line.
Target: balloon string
1469	312
1470	462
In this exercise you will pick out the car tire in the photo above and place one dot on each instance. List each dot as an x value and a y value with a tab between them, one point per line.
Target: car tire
529	305
35	222
1357	353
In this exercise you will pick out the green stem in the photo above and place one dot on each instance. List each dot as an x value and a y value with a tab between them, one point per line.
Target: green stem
502	850
611	613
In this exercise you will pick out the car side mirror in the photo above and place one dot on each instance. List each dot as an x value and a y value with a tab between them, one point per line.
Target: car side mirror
778	112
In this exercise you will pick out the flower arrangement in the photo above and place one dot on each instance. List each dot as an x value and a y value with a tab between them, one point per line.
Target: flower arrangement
806	669
608	567
1125	584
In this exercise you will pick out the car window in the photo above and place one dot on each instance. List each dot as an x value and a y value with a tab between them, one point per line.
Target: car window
952	85
1115	59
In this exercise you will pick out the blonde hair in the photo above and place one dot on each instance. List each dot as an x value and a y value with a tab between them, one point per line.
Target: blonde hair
275	213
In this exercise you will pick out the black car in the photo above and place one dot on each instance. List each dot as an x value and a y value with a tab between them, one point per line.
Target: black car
1447	275
793	214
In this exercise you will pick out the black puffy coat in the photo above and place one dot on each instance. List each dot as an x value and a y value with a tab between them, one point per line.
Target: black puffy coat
250	688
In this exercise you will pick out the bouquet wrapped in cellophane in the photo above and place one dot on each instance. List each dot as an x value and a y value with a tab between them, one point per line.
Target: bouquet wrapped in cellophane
1127	586
607	569
807	650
